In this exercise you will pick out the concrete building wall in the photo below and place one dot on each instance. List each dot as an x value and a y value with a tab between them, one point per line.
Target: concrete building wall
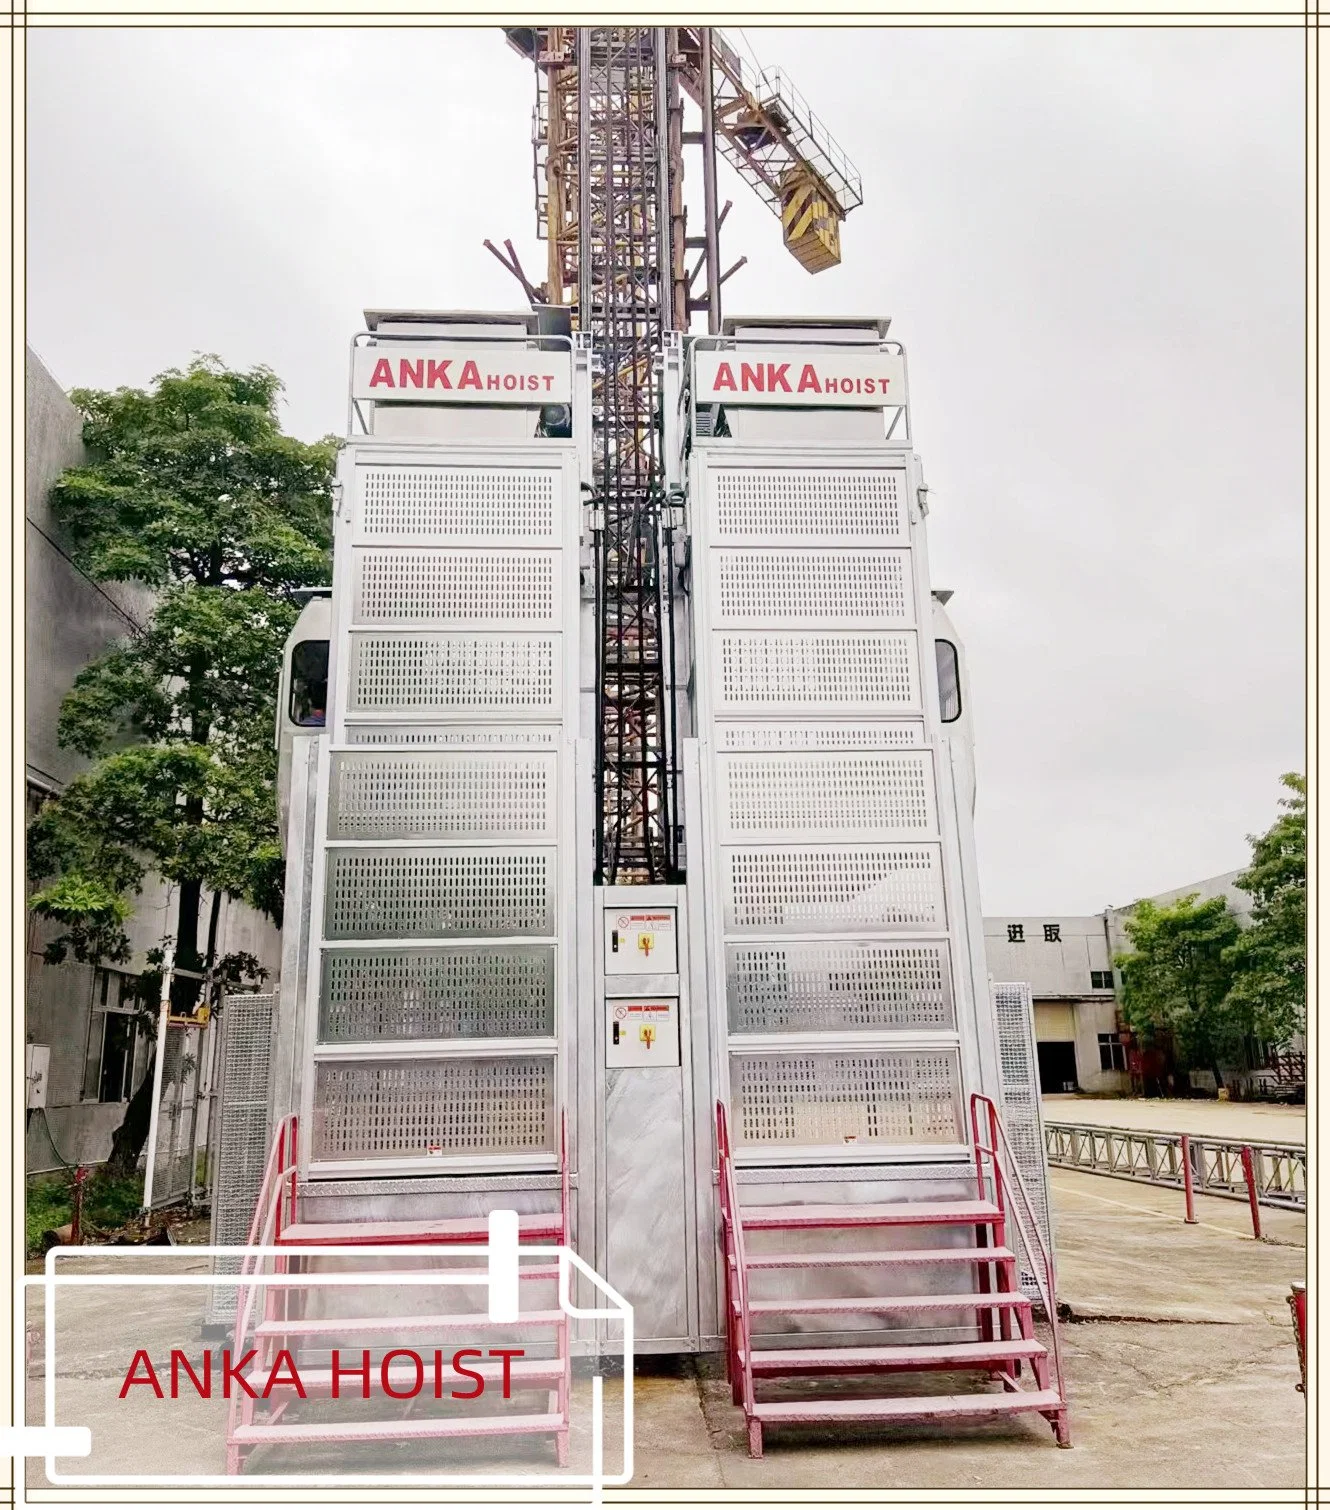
1239	903
70	620
1060	966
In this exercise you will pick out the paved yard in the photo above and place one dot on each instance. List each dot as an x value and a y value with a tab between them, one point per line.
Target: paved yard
1256	1120
1179	1353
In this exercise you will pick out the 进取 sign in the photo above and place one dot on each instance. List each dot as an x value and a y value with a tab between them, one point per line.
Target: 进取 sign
849	379
439	373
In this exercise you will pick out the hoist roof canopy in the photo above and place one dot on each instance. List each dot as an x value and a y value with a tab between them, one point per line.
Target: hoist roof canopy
526	318
734	325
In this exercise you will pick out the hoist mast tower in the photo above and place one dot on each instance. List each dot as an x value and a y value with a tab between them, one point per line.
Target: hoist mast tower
609	170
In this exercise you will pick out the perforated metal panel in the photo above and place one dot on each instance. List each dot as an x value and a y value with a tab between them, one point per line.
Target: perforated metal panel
465	503
402	795
401	586
453	736
1022	1114
809	504
834	890
896	735
438	893
454	673
773	670
395	1109
835	1098
768	588
460	992
839	987
779	795
241	1146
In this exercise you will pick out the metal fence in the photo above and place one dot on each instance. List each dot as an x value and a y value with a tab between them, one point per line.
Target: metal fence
1280	1169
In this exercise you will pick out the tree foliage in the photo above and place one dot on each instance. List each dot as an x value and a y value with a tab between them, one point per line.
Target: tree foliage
1178	975
192	489
1213	985
1269	960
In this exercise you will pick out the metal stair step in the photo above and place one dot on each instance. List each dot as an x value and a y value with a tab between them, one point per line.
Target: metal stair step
422	1278
894	1214
328	1326
413	1429
822	1305
908	1407
848	1360
541	1227
525	1373
878	1258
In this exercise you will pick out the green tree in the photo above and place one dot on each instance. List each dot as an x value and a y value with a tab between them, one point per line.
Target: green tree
1269	960
1177	978
192	489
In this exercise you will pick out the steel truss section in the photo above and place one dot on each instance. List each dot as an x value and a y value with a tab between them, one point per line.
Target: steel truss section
623	289
1156	1158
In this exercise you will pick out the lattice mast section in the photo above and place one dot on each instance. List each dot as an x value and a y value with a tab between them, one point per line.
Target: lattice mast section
622	293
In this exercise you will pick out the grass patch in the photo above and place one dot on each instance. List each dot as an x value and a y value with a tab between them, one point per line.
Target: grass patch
109	1202
48	1207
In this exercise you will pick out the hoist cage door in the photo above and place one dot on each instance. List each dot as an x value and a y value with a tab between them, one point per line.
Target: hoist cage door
444	873
840	934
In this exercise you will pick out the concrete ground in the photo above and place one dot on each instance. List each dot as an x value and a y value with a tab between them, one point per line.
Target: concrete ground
1257	1120
1179	1354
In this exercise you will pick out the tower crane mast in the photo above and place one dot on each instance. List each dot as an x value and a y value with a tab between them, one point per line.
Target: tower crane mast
608	144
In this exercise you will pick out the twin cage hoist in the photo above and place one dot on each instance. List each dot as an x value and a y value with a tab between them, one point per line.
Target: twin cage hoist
460	1008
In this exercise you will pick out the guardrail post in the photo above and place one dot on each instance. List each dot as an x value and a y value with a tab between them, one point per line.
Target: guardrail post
1298	1305
1187	1185
1249	1173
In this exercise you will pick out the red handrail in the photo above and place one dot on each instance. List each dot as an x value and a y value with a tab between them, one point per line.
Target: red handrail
264	1230
998	1150
736	1267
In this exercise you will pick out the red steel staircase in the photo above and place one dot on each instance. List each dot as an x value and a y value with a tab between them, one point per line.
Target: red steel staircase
273	1317
986	1288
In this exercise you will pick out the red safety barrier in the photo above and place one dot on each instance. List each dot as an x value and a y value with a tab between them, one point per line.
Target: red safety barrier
1297	1302
1253	1198
1187	1183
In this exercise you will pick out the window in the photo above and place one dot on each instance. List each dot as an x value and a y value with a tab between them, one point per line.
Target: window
113	1066
1015	933
948	680
1052	933
309	684
1101	980
1112	1055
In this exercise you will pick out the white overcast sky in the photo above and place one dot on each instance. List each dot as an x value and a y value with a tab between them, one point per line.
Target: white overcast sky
1090	241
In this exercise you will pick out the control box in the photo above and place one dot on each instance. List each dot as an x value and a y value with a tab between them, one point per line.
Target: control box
642	1033
37	1069
641	941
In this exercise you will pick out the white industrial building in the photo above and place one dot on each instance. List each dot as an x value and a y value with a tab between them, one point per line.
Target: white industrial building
1068	962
